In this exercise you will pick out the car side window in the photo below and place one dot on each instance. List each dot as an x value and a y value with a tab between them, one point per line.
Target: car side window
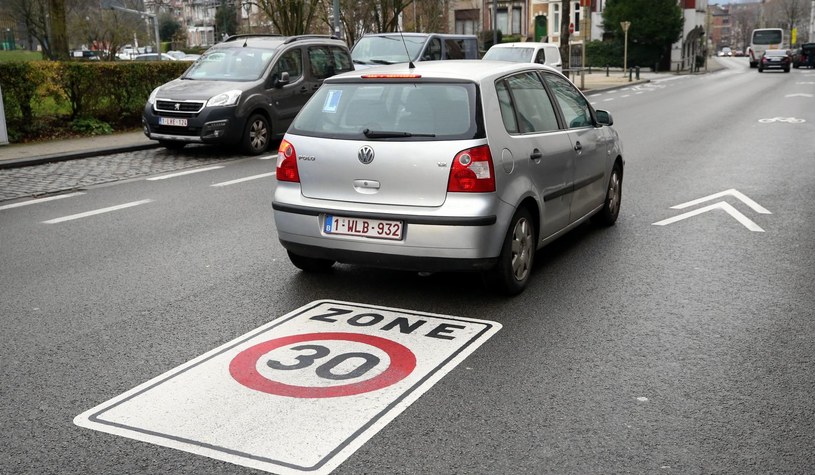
454	49
321	62
505	104
540	57
342	60
433	51
533	109
573	105
291	62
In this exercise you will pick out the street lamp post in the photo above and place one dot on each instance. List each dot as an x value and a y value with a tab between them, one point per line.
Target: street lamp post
625	25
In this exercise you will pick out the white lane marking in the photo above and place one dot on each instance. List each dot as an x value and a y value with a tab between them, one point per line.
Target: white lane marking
96	211
609	99
241	180
268	157
187	172
744	220
732	192
40	200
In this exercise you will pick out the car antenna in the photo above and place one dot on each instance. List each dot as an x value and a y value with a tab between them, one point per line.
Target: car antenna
410	60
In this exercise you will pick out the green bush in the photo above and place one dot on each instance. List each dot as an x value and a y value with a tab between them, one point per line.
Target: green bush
42	97
91	126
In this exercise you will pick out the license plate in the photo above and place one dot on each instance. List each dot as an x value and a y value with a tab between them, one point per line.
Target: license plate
372	228
172	121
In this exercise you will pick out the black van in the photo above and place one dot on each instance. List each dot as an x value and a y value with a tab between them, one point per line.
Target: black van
245	90
390	48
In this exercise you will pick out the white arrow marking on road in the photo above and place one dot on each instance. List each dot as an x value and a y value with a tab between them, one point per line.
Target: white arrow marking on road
173	175
241	180
732	192
744	220
799	94
97	211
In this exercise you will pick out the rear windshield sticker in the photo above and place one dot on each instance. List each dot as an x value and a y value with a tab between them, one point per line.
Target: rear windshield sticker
332	100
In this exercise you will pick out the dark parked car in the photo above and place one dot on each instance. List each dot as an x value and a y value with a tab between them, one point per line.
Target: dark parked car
775	59
245	91
804	56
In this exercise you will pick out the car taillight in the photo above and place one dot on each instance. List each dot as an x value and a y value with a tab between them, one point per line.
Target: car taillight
287	163
472	171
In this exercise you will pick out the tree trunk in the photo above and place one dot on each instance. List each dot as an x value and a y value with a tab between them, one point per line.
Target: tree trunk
59	31
565	20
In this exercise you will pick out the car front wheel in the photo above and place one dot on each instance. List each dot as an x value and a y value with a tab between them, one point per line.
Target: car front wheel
257	135
511	274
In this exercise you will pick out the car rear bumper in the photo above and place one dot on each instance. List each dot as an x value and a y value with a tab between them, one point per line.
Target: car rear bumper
434	239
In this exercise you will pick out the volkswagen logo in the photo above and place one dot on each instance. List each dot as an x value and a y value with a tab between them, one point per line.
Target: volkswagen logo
366	154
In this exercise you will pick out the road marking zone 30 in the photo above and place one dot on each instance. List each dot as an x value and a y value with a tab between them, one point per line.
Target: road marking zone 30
300	393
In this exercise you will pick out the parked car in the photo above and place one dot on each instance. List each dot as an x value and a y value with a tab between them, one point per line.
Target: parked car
527	52
775	59
153	57
804	56
245	90
445	166
391	48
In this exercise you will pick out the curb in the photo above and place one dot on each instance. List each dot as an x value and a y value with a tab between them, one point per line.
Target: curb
64	157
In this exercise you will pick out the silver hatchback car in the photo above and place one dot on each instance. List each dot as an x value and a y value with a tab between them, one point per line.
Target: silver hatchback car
444	166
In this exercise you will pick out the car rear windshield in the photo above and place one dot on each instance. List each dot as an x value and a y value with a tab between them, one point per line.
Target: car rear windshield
391	110
387	49
231	64
522	55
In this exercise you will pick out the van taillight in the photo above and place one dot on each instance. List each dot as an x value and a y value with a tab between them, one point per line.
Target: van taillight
472	171
287	163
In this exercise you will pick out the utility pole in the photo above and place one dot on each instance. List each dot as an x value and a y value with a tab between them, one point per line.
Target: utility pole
107	4
625	26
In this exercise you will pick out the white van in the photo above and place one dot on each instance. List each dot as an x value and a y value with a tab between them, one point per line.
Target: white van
527	52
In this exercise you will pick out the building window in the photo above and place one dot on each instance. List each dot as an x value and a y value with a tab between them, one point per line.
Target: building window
466	22
509	20
556	17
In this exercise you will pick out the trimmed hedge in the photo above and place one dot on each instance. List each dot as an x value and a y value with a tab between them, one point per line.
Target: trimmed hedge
39	94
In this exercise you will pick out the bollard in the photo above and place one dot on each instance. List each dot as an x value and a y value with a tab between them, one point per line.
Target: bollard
630	72
638	73
607	70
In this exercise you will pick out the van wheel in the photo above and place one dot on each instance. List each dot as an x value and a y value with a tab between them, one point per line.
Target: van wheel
310	264
611	207
511	274
171	145
257	135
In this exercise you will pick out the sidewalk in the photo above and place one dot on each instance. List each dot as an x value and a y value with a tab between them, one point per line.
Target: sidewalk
20	155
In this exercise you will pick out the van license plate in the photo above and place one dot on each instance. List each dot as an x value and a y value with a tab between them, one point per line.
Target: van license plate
172	121
372	228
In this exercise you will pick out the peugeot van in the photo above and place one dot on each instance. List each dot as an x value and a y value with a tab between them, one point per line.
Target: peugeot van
244	91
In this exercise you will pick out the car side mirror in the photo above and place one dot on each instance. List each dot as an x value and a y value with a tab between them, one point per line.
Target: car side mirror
282	80
603	117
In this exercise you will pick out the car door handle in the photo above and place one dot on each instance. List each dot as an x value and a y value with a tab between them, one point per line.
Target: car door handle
536	155
578	148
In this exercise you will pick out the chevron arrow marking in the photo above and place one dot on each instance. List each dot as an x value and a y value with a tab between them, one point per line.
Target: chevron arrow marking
729	209
732	192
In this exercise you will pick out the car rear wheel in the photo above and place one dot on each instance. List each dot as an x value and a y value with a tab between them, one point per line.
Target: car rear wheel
614	193
511	274
310	264
257	135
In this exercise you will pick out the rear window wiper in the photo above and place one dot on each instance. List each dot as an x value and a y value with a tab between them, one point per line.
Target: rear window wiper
386	134
381	61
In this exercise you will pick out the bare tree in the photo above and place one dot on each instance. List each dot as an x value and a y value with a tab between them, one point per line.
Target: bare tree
565	34
290	17
789	14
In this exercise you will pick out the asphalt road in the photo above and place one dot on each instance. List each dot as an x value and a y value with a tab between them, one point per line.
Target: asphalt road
685	347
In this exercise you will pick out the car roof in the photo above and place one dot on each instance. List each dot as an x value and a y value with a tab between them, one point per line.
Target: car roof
420	35
474	70
523	44
274	41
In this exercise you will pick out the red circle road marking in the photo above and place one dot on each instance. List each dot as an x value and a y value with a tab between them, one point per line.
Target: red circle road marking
243	367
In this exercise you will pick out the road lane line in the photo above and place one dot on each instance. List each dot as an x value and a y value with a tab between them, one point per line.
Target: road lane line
187	172
95	212
40	200
268	157
241	180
